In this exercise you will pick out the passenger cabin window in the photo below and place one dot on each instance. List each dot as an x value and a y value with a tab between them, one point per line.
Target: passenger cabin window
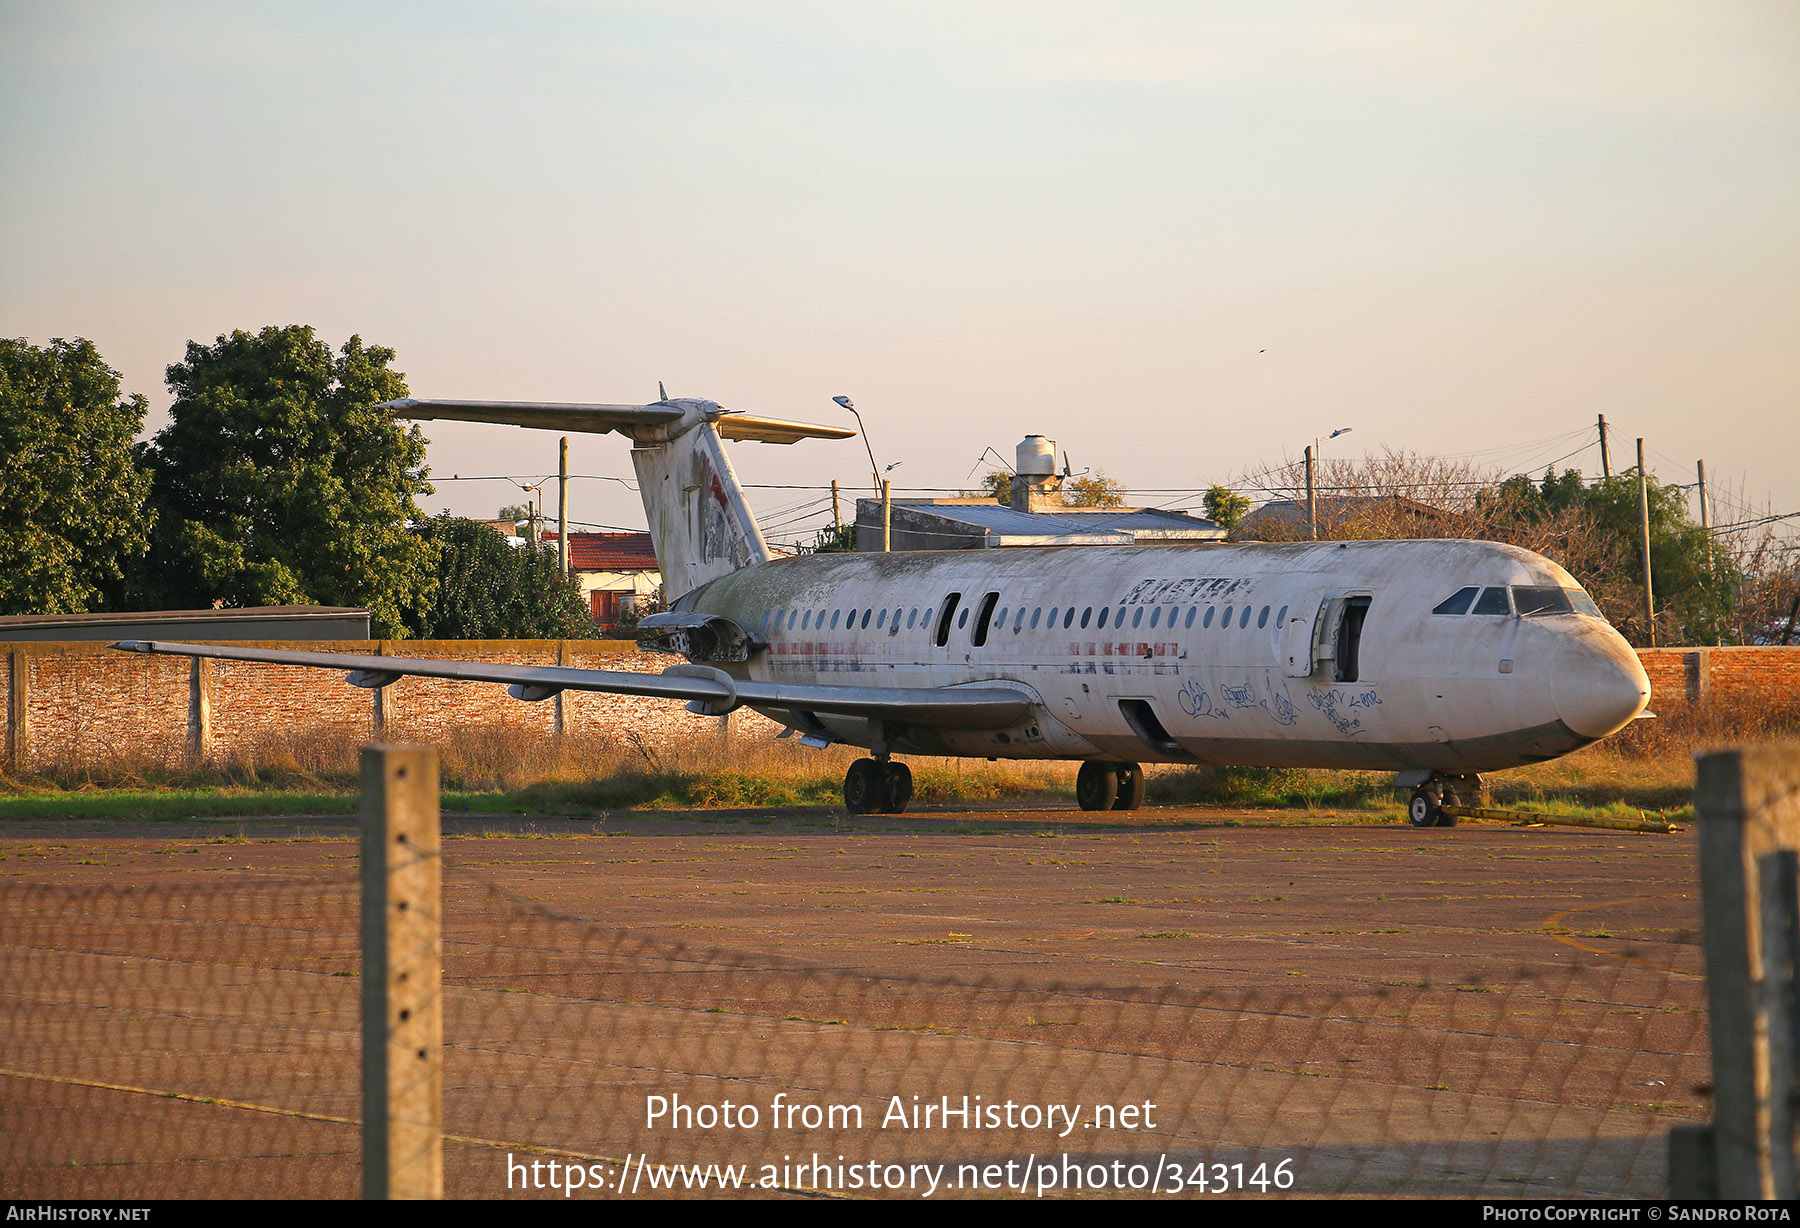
1492	601
943	631
1545	600
978	637
1458	602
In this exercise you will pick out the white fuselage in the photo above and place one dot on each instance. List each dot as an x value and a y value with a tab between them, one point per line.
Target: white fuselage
1313	655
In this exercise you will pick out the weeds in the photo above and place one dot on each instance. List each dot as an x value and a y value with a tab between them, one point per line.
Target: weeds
1646	767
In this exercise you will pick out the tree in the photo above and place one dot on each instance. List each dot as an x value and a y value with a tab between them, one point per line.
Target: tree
1225	507
1695	587
835	539
1089	490
1592	529
487	590
71	495
277	481
1094	490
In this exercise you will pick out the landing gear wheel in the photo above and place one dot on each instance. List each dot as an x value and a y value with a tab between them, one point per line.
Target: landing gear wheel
1131	786
1460	791
1427	806
862	786
896	787
1096	786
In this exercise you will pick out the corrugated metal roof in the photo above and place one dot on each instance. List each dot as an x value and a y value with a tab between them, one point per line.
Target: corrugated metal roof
1139	522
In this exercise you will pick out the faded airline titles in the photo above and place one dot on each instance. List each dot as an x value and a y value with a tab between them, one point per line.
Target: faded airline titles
1208	588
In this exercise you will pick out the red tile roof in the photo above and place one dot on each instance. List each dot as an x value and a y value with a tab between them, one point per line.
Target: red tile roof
609	551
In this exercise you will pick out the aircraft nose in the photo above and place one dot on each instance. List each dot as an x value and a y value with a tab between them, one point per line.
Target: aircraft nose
1598	685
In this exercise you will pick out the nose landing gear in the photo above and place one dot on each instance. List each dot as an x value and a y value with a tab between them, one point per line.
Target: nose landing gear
1426	809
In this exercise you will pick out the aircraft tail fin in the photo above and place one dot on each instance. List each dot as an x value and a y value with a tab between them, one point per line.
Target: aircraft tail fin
699	521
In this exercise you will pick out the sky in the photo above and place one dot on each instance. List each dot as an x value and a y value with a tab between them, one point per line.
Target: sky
1184	240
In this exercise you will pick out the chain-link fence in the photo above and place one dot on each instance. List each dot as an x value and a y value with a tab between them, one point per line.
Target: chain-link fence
202	1041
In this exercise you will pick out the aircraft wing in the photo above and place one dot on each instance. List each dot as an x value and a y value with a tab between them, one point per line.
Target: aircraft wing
707	690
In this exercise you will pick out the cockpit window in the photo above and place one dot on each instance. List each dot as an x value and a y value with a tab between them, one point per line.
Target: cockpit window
1540	600
1458	603
1492	601
1583	603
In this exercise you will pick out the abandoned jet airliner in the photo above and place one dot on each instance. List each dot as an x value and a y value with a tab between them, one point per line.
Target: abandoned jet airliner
1437	660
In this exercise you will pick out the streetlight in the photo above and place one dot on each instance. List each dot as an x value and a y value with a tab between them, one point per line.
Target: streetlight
1312	506
874	469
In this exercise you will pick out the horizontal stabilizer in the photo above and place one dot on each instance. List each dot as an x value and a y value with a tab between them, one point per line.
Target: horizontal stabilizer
543	415
776	430
964	707
598	419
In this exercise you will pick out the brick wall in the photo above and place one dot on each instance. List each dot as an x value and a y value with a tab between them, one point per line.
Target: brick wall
71	703
1727	679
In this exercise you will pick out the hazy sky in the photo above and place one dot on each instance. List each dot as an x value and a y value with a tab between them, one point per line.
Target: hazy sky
1182	239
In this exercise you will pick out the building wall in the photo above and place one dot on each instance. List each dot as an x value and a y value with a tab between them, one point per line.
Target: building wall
1730	679
78	703
72	703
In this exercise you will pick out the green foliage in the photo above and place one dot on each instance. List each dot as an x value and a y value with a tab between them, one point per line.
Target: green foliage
1094	490
1090	490
836	539
1695	585
626	627
71	496
1226	507
488	590
277	481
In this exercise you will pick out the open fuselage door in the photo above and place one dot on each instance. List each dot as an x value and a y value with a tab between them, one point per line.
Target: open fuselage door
1328	643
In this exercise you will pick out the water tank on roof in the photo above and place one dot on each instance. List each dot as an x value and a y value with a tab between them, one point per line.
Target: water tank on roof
1036	458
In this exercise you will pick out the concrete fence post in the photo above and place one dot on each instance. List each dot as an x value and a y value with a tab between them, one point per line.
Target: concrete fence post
1748	803
402	1020
18	709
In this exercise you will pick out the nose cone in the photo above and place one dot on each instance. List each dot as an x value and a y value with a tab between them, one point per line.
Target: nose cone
1598	684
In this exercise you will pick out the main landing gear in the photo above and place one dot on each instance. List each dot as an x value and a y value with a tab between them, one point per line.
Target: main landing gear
1109	786
1426	809
871	786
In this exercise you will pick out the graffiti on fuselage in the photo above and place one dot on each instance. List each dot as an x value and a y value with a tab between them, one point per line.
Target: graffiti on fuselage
1279	706
1194	588
1194	701
1337	703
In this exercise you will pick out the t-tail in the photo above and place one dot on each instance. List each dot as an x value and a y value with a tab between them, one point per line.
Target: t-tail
699	521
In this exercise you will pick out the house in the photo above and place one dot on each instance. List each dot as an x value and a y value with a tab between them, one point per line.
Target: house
1351	516
981	523
617	572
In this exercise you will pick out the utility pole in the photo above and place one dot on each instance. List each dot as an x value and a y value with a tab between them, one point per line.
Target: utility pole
562	509
1706	528
1312	506
1644	517
1605	456
836	517
887	515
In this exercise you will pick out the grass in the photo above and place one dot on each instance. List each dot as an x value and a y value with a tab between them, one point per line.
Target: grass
509	769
